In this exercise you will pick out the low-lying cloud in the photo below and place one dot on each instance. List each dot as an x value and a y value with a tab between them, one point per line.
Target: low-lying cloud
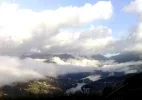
75	89
127	67
83	62
13	69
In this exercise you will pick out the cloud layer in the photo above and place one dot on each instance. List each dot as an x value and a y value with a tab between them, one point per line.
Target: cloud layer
65	30
77	62
13	69
25	31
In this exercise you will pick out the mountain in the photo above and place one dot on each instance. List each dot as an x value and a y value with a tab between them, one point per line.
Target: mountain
46	86
70	81
64	56
50	85
121	58
43	55
102	83
115	82
36	56
99	57
62	83
127	57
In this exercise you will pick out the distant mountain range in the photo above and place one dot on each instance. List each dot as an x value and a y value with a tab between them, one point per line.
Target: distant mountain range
64	82
127	57
121	58
99	57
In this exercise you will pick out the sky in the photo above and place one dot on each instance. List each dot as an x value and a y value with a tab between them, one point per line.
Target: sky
78	27
115	23
83	27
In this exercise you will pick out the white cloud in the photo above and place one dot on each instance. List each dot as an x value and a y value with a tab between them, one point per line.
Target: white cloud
121	67
13	69
134	39
27	31
86	42
24	30
22	22
77	88
97	44
82	62
96	32
93	77
110	55
135	6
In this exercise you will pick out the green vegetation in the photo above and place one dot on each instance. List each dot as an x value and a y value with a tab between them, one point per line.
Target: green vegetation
40	87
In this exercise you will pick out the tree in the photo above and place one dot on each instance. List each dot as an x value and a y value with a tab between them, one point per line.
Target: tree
107	90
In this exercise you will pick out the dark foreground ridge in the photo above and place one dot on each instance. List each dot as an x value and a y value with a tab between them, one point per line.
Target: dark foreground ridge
131	89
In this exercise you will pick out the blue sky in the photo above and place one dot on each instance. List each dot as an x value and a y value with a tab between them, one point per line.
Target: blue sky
121	21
